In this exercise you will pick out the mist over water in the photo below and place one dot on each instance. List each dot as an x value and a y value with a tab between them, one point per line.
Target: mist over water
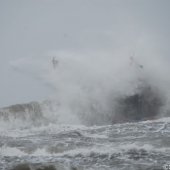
86	87
105	112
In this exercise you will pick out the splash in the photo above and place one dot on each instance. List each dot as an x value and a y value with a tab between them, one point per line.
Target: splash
99	88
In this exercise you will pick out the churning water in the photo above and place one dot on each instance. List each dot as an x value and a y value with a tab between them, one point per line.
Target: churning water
104	114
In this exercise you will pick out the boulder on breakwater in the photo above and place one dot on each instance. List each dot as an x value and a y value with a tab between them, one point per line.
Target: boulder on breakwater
144	104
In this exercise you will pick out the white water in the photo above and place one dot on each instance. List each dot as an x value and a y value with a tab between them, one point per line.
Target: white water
85	87
137	145
105	105
85	90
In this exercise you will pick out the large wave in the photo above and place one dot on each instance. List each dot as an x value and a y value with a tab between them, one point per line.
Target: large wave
95	89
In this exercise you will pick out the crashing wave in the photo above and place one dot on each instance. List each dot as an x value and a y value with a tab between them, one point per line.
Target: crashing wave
145	104
26	113
111	91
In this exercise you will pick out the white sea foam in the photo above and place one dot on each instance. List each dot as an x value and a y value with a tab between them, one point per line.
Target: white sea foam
11	151
100	149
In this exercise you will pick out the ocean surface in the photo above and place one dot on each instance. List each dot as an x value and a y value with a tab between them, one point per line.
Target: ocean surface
95	120
98	75
136	146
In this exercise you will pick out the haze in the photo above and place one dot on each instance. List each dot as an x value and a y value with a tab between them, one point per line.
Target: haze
31	30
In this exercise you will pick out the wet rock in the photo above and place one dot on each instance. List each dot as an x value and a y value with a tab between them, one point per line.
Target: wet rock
74	168
50	167
22	167
144	104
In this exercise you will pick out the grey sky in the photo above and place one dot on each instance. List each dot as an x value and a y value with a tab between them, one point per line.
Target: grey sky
34	27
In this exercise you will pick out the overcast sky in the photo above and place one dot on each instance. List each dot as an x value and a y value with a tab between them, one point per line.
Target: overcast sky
35	27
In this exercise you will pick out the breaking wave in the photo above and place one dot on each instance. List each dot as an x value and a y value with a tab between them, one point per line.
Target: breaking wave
96	89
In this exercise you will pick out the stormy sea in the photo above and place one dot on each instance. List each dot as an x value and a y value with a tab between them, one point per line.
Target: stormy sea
104	114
